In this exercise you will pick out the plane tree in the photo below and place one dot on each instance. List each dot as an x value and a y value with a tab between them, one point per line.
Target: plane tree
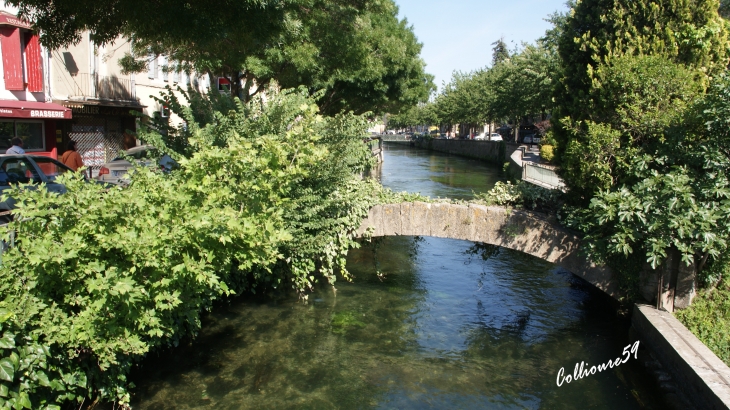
356	55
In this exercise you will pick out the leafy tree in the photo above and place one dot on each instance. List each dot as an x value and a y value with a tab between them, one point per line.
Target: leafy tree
500	52
422	114
597	36
359	53
517	87
457	101
523	85
680	198
635	100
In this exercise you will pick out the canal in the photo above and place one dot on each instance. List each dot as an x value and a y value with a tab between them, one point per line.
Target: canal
427	323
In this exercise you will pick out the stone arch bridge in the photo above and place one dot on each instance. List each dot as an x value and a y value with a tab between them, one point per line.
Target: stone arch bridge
528	232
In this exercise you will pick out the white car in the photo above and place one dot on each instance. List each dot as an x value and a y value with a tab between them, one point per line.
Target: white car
495	137
115	172
481	136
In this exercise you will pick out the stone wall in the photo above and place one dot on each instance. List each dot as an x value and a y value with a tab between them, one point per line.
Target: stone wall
698	375
526	232
488	151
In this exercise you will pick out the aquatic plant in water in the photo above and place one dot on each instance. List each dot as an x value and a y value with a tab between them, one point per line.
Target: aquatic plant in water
342	321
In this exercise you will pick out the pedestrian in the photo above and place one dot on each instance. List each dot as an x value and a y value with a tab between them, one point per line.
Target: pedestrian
71	157
17	148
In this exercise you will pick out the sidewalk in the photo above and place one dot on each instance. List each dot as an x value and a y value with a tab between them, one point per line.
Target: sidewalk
531	155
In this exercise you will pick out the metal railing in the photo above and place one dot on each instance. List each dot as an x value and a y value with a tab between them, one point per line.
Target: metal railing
103	87
542	175
376	147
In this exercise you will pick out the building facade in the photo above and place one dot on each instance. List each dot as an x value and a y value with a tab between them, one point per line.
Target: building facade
107	104
26	107
79	93
87	79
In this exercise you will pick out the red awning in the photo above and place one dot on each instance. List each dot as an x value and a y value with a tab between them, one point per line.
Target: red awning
33	109
13	20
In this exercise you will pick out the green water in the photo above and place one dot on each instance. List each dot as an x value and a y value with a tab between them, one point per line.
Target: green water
435	174
446	324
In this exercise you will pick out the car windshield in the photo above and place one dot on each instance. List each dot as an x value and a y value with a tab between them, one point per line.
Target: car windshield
18	170
50	167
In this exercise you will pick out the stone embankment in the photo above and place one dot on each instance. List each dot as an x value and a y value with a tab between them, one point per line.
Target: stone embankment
495	152
689	374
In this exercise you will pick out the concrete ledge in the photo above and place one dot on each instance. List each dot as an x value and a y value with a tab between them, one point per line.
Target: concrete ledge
703	377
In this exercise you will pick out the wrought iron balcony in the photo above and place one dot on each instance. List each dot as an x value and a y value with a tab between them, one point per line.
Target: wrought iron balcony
96	86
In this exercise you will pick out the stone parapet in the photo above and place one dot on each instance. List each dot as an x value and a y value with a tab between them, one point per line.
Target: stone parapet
699	373
523	231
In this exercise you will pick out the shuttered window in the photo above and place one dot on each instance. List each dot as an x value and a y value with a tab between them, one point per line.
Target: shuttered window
151	66
12	59
34	63
163	67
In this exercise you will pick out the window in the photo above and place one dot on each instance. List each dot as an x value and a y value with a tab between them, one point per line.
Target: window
7	132
22	61
163	67
31	132
152	67
51	168
18	170
12	59
33	62
32	135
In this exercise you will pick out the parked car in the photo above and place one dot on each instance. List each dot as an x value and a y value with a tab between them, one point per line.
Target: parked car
495	137
24	169
115	171
481	136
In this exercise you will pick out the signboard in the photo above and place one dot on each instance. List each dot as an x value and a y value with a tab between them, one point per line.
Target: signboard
37	111
101	110
224	84
11	20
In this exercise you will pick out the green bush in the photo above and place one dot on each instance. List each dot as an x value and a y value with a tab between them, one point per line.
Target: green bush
709	319
546	152
266	197
521	194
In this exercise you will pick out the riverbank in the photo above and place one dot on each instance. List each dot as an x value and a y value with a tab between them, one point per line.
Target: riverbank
493	152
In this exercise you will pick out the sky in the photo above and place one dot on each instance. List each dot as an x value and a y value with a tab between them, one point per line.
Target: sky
457	35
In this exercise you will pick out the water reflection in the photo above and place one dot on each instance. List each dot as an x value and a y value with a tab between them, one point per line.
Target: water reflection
434	174
427	323
442	327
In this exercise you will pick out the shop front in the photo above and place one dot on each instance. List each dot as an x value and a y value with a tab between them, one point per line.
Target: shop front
100	131
38	124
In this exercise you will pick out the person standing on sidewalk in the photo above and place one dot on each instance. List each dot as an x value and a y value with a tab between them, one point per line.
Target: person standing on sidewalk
71	158
17	148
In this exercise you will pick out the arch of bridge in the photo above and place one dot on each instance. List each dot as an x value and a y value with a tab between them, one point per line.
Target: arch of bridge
523	231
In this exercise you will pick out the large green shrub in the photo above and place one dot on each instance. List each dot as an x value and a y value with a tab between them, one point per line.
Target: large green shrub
521	194
267	196
629	68
681	195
